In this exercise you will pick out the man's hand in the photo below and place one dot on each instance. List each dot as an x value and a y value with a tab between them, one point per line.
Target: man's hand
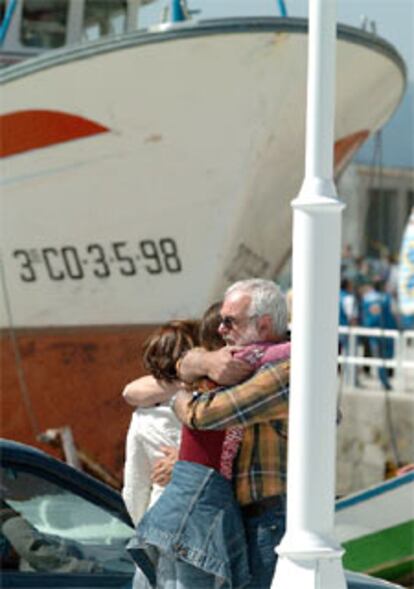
162	469
224	369
219	365
181	404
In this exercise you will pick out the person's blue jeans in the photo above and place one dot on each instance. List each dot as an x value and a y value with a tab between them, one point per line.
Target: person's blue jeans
263	533
380	349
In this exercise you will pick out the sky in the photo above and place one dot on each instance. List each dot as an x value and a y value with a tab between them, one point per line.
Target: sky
394	20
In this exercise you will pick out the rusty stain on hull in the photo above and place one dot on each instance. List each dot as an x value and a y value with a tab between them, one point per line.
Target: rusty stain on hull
74	377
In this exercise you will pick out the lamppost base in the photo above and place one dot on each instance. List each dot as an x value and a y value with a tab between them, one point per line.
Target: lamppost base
313	564
317	573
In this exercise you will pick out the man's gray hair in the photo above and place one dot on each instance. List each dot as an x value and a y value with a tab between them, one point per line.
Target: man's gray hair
267	299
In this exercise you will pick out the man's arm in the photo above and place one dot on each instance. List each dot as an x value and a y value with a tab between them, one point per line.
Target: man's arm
263	397
220	366
147	391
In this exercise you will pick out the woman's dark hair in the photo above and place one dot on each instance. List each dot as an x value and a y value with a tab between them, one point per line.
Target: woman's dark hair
163	349
210	339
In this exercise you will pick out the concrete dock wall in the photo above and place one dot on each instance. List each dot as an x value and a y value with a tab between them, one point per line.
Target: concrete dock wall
377	430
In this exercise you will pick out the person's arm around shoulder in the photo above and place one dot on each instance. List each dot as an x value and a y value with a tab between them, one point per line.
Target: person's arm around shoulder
263	397
147	391
220	366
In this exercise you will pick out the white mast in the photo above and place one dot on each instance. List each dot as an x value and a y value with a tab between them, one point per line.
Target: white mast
309	556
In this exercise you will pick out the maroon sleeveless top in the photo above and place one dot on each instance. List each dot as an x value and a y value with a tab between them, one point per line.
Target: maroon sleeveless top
201	446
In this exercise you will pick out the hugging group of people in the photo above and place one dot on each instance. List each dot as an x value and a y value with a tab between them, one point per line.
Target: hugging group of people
217	390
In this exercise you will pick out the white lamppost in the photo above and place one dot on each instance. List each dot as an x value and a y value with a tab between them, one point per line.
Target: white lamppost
309	556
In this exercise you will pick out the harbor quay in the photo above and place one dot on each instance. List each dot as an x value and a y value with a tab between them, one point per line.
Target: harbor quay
375	437
375	475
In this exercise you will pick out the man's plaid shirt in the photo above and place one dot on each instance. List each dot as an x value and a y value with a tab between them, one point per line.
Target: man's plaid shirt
260	405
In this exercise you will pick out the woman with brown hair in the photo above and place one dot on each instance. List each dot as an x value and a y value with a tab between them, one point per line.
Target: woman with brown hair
154	427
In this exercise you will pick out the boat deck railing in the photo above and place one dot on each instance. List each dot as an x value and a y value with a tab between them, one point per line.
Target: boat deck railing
401	361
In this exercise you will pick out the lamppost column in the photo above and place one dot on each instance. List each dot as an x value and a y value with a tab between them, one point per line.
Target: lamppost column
309	556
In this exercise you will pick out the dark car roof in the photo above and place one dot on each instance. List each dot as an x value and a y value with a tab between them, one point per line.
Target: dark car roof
89	487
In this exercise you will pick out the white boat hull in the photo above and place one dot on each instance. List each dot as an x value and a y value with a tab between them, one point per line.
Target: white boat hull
203	144
140	177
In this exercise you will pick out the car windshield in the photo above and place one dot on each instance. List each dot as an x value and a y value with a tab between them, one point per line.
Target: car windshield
55	530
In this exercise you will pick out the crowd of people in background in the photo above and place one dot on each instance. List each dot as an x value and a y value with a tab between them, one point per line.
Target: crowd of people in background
369	298
379	272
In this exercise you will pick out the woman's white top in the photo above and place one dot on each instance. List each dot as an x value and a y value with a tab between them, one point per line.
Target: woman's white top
149	430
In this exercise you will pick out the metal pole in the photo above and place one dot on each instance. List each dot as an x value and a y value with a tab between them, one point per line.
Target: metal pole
282	8
353	353
309	556
132	15
176	11
399	356
7	19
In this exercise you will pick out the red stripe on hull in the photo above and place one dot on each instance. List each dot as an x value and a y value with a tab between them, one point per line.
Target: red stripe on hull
33	129
347	146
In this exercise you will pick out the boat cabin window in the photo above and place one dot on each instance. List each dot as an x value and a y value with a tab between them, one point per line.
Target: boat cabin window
2	10
104	17
44	23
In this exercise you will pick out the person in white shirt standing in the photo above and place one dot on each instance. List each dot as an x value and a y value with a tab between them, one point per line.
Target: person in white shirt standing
154	431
